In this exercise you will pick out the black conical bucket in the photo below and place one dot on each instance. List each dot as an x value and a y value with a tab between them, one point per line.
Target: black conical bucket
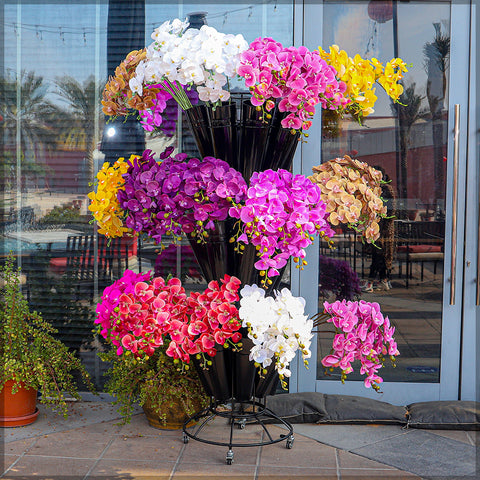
266	384
253	136
281	144
199	121
223	123
217	378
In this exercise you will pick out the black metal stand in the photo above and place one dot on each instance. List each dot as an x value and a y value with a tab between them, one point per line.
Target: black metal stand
239	414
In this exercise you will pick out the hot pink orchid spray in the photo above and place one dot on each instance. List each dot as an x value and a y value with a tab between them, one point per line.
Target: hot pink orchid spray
281	214
295	77
362	333
139	313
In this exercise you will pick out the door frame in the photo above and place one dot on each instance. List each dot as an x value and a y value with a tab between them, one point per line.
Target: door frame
308	27
470	355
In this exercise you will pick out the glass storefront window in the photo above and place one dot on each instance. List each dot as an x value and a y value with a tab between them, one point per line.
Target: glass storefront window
408	142
55	138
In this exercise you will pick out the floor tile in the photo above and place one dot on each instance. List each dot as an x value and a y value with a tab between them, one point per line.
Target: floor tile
360	474
214	471
49	467
18	447
297	473
148	448
74	444
81	414
349	437
202	453
6	461
350	460
107	428
458	435
419	453
308	452
131	469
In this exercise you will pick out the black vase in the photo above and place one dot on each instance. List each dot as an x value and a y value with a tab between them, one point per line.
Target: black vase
217	378
223	124
253	134
215	254
244	370
199	121
267	383
281	144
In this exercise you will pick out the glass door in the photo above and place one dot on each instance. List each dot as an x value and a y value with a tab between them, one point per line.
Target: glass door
416	274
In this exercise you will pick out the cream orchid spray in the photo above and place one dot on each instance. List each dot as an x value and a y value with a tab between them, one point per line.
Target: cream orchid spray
278	328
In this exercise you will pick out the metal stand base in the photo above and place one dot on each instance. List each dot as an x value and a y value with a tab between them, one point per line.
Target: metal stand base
239	414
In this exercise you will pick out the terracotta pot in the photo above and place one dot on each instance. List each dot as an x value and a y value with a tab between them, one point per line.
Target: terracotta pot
18	409
175	416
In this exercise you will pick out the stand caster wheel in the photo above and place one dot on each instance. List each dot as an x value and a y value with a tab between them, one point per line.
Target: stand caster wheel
229	458
242	423
185	438
290	441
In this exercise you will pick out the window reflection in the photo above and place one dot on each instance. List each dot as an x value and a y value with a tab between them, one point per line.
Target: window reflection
409	143
54	141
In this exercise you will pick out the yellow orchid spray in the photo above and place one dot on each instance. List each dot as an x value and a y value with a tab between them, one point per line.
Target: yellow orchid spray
104	204
361	76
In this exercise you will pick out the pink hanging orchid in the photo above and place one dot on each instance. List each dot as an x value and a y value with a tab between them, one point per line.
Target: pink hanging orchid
362	333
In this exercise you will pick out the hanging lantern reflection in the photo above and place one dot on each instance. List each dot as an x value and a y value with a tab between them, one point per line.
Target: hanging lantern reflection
380	11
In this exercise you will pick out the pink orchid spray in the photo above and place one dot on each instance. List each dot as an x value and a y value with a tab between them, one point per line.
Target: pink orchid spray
362	333
296	78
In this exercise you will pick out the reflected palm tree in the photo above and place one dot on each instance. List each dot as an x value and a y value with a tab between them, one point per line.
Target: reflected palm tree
79	125
437	60
409	110
27	115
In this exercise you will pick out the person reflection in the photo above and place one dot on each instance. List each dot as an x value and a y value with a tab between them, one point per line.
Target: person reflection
382	254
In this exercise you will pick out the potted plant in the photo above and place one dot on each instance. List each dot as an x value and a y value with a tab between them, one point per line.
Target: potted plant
33	360
168	393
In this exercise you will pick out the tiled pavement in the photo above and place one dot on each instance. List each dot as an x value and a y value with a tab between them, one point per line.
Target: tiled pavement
91	445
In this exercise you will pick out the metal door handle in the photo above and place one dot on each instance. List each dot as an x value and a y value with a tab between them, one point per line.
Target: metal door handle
456	134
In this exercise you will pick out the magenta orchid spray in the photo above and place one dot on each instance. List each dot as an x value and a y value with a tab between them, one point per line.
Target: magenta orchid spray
296	78
177	195
280	216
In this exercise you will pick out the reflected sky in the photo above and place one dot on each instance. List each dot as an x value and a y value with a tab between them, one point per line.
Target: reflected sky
350	27
61	38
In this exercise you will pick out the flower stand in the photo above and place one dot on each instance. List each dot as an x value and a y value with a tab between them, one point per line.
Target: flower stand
242	191
237	392
238	414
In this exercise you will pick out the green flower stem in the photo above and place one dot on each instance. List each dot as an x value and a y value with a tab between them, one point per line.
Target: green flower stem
178	94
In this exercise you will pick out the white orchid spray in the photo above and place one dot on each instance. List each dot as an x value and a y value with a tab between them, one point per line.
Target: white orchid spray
180	56
277	327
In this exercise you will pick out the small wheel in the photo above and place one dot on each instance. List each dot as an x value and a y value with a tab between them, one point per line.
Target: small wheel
229	461
229	458
289	443
185	438
241	424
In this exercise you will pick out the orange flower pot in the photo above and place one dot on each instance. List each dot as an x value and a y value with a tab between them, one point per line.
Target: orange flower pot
17	409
